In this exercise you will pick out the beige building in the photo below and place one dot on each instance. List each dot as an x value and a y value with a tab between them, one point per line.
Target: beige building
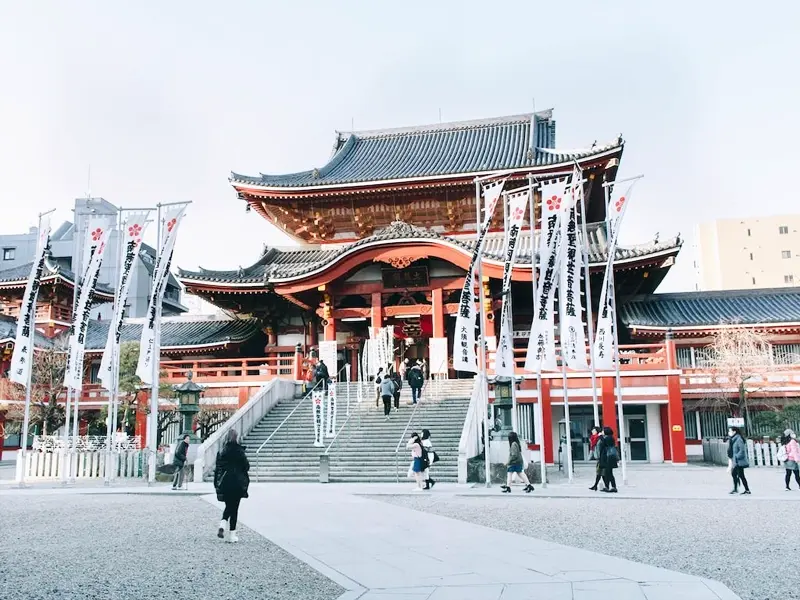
761	252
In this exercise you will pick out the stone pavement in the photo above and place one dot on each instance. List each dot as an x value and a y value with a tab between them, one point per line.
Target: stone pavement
381	552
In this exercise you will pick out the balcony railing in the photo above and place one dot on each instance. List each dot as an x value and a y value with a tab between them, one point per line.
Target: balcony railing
221	370
633	357
775	381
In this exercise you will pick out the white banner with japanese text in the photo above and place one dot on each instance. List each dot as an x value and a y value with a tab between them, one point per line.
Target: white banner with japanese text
541	354
99	233
464	357
132	231
147	345
22	358
604	337
504	361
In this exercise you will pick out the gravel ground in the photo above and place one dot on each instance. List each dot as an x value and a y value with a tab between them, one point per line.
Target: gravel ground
742	544
155	547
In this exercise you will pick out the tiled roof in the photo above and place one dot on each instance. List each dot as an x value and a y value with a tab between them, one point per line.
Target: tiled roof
276	265
466	147
703	309
21	273
8	333
179	333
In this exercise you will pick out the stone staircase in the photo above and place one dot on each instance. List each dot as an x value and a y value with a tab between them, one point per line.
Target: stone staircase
364	450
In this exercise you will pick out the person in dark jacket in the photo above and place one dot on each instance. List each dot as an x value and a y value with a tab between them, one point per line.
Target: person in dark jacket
737	460
608	459
231	480
321	374
398	384
416	379
516	465
594	440
179	462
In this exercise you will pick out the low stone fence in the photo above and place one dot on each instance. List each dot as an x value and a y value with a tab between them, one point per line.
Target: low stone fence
760	454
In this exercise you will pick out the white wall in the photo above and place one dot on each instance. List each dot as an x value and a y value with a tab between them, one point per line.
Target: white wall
655	441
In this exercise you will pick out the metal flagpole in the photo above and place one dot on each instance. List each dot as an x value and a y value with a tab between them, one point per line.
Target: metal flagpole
612	298
111	426
539	405
481	375
589	308
152	429
567	422
26	419
510	321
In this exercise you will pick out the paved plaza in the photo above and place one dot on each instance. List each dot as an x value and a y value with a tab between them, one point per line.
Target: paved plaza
673	532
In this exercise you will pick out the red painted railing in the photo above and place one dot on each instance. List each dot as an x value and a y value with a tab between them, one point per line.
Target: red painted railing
632	357
221	370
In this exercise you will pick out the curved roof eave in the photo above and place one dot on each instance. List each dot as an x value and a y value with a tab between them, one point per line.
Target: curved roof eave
451	244
247	184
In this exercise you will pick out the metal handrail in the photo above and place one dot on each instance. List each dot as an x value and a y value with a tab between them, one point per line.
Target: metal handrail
328	449
289	416
402	437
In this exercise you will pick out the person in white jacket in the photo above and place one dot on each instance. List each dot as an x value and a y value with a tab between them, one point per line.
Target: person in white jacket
426	442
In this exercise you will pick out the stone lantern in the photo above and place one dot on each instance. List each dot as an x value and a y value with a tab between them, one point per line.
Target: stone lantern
188	405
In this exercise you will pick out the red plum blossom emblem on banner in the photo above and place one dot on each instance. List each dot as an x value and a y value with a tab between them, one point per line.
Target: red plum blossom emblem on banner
619	204
518	213
554	203
171	224
96	234
135	230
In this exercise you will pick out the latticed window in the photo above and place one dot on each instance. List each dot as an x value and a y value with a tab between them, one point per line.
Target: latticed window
786	354
690	424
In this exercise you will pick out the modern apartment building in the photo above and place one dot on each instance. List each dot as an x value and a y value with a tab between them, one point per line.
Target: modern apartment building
761	252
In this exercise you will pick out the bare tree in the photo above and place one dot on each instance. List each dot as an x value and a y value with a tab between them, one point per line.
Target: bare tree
740	361
209	419
47	385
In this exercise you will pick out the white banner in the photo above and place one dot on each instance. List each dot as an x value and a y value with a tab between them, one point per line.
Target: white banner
330	412
132	233
99	233
22	359
147	350
317	398
464	357
438	355
328	355
504	361
573	333
541	355
604	337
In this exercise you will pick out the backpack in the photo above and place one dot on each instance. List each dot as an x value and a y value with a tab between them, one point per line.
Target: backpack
425	458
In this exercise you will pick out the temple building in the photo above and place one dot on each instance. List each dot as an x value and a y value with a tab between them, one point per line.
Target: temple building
385	231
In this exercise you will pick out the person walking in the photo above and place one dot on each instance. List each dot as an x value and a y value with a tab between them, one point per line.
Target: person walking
404	369
231	480
594	439
416	380
179	462
321	375
387	393
417	462
608	459
737	460
398	384
516	465
789	454
378	379
432	458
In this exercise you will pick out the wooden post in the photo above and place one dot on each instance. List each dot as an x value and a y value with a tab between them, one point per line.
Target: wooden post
438	313
547	421
675	406
376	313
297	371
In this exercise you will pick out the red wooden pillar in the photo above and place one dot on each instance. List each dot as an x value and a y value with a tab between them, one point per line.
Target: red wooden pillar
675	406
376	313
353	364
2	428
609	401
141	416
488	324
438	313
297	367
272	338
665	434
329	323
244	395
312	335
547	420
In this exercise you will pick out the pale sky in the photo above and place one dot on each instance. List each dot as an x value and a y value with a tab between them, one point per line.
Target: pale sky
164	99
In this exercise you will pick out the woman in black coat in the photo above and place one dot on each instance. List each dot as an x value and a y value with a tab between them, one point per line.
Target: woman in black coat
231	480
608	459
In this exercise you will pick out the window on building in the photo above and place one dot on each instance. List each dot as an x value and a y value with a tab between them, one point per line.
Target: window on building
783	229
751	256
748	232
9	253
754	280
786	254
788	279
